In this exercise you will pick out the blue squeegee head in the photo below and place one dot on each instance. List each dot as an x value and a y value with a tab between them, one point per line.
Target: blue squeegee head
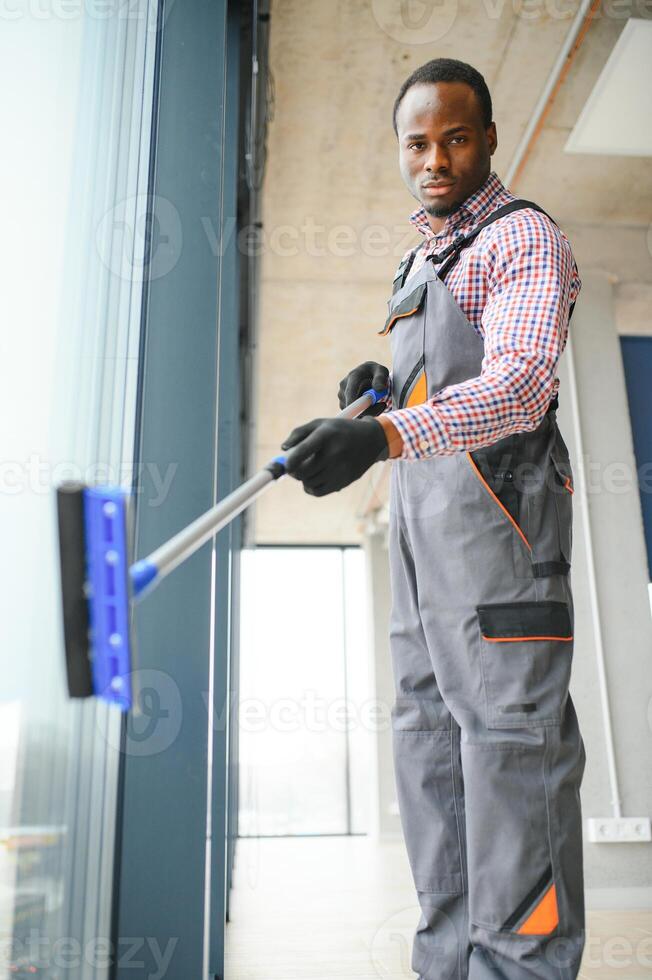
107	567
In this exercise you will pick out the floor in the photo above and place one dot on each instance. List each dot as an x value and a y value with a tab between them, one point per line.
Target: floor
342	908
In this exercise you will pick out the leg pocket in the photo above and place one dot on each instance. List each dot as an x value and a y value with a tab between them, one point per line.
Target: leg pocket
525	654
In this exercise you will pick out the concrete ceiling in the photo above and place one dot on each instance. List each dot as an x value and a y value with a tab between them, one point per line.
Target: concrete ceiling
335	208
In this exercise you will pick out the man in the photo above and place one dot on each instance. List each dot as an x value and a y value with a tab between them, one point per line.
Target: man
488	755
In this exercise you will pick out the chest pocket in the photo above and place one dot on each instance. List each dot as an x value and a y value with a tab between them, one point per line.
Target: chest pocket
408	347
408	306
414	391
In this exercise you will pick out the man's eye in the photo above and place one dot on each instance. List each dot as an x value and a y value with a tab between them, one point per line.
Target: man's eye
418	146
458	139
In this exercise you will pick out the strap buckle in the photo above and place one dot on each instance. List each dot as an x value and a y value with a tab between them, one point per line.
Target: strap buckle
454	246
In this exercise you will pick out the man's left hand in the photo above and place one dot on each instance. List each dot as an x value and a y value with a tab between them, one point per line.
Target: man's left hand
328	454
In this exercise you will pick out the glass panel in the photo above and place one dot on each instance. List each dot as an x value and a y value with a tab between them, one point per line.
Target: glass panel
298	759
74	127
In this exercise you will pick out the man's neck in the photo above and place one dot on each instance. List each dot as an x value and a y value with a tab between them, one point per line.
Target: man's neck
437	224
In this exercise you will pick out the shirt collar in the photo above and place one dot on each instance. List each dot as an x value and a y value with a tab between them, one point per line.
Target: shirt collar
472	210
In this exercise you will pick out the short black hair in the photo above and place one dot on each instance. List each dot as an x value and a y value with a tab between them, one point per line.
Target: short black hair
448	70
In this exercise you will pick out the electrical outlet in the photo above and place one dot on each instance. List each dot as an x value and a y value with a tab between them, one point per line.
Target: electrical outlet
619	830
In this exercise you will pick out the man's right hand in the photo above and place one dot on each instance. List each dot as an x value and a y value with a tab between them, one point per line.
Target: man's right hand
361	379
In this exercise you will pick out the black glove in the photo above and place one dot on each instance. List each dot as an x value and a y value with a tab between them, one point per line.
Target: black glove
328	454
365	376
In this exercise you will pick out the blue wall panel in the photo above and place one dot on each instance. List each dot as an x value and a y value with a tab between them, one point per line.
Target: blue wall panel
637	359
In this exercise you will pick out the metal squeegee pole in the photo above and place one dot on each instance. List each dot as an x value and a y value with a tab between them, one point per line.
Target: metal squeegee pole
175	551
182	545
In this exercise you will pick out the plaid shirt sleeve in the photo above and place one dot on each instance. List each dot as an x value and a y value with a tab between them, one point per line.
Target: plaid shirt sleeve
388	400
531	280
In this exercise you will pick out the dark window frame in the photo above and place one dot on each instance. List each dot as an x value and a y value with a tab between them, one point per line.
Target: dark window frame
177	822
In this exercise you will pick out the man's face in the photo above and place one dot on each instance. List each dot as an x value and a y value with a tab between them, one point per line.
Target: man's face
444	148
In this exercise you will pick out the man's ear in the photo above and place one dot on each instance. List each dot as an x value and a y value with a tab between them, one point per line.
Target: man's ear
492	138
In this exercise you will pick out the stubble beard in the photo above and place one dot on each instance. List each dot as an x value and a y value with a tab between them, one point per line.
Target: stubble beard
440	210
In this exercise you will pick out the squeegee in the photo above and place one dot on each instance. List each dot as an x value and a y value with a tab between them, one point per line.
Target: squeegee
99	585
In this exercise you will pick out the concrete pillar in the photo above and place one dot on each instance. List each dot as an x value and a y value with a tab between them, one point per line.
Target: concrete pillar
384	820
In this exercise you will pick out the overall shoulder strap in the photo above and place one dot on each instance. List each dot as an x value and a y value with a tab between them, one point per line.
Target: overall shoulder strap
403	270
452	252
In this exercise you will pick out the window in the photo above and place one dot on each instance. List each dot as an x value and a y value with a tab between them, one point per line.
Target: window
75	153
304	738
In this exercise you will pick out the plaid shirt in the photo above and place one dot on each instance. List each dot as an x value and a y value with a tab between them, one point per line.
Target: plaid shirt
515	284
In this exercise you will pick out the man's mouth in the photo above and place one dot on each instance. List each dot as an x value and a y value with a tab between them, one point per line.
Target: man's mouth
436	188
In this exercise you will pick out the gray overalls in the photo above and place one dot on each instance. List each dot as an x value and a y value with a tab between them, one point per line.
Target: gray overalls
487	751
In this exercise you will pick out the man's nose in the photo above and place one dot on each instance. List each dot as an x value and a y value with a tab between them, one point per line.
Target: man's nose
436	159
